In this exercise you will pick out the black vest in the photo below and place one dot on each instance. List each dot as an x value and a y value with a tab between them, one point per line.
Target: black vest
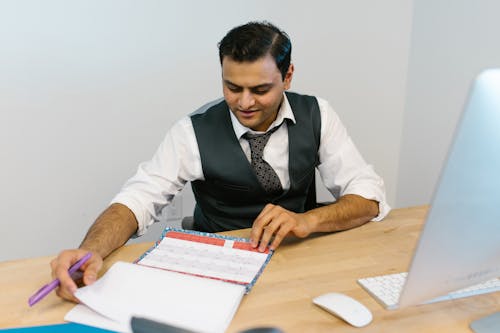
231	197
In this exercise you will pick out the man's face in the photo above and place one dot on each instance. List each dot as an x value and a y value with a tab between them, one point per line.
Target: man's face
254	90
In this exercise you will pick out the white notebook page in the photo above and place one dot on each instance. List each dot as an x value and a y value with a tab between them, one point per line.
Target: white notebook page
186	301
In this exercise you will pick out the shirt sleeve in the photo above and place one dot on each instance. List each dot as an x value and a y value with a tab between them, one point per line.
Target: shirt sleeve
341	166
158	180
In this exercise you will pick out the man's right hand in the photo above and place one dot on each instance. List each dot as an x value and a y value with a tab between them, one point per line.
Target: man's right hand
61	264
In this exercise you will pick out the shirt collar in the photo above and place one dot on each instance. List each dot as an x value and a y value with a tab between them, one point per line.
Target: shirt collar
284	112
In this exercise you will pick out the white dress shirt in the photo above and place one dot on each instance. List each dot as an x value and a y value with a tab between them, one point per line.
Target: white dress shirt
177	161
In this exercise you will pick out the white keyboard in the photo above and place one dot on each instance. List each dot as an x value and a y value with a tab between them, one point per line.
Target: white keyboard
387	288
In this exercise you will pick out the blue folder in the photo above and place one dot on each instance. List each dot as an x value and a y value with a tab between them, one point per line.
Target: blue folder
58	328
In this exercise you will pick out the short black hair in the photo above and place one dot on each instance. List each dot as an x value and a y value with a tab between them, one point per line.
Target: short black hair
254	40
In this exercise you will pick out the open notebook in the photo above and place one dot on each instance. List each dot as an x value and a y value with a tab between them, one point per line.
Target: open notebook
188	279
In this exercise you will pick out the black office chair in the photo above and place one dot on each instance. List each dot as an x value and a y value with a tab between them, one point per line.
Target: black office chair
187	223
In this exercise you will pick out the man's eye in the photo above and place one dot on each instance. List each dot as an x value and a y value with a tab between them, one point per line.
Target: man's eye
261	91
233	88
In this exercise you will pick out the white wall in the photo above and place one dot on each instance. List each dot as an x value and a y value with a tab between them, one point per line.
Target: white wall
89	88
452	42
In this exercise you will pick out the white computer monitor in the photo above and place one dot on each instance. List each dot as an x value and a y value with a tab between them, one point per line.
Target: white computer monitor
460	242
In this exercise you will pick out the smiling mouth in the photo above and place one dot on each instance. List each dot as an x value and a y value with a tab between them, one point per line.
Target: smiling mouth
247	111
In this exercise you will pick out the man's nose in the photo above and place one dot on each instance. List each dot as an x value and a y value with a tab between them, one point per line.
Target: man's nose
246	100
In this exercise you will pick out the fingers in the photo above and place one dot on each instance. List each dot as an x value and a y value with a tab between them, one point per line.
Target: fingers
91	269
273	221
278	228
259	224
283	230
61	264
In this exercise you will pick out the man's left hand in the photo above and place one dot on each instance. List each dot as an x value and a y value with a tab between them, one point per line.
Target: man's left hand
277	221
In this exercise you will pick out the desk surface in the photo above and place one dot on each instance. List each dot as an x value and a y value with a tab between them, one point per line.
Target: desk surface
298	271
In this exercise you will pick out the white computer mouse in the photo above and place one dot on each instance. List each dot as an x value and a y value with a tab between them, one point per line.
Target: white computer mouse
345	307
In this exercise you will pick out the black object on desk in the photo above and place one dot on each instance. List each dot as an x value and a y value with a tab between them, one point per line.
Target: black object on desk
263	330
143	325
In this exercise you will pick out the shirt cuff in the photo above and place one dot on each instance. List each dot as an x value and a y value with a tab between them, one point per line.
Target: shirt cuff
383	206
383	210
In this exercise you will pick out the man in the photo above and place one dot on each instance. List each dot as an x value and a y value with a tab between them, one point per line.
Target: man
236	184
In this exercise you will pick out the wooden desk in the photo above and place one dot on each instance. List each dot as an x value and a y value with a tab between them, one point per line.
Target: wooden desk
298	271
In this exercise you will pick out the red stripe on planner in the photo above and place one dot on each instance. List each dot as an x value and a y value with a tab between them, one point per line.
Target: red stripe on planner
195	238
247	246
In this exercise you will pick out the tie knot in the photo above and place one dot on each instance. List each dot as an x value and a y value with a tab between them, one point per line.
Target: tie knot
258	141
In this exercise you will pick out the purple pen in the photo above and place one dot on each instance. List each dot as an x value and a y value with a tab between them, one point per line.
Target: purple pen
46	289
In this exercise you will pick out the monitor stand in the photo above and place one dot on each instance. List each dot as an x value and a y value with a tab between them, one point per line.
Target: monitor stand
488	324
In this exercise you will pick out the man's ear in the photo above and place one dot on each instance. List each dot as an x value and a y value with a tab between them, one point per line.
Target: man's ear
288	77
